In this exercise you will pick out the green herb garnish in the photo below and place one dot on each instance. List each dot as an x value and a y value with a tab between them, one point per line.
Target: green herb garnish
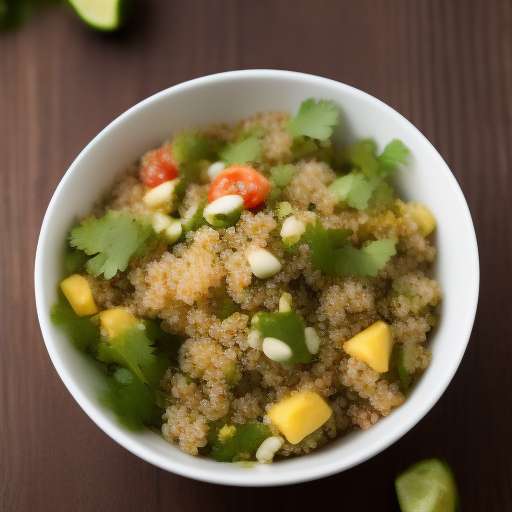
242	152
314	119
113	241
330	252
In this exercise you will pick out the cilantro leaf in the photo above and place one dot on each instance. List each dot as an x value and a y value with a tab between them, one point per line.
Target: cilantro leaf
330	252
303	146
366	261
281	175
82	332
134	350
241	152
396	152
322	245
363	156
129	398
383	194
112	240
365	182
314	120
190	147
354	189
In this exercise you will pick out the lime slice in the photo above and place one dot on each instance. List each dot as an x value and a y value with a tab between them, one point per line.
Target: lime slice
101	14
427	486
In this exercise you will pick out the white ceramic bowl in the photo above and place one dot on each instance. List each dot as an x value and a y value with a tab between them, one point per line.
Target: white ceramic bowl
229	97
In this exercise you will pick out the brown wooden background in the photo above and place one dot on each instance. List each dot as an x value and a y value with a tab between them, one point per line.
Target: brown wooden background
444	64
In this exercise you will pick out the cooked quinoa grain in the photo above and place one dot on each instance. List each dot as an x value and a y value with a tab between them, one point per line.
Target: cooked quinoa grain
217	390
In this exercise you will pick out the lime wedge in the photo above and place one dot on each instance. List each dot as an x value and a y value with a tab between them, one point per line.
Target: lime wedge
101	14
427	486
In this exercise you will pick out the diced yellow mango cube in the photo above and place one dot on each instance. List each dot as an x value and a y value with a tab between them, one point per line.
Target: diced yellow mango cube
423	217
78	292
298	416
115	321
373	346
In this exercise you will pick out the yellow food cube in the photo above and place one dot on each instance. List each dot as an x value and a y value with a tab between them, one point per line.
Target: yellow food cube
78	292
373	346
115	321
422	216
298	416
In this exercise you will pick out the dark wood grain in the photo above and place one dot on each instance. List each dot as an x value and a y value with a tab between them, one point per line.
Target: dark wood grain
444	64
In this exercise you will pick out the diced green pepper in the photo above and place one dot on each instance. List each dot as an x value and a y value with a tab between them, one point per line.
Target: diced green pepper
241	446
288	328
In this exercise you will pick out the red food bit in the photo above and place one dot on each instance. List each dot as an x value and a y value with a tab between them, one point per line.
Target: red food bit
157	167
240	180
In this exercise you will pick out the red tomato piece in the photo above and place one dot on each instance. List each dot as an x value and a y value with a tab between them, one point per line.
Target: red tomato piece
157	167
241	180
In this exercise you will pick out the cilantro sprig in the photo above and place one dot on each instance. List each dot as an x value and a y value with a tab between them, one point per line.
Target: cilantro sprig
189	148
330	252
366	181
113	241
134	363
314	119
242	152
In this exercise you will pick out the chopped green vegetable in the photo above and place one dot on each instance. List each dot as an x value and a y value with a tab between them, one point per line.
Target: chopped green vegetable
242	445
394	153
113	241
322	245
75	260
365	182
190	147
363	156
314	119
427	486
193	218
232	376
281	175
288	328
303	146
330	252
368	260
135	351
405	376
138	365
284	209
354	189
129	398
228	308
241	152
81	330
383	194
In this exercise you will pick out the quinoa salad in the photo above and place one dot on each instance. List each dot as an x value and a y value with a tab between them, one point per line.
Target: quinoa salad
253	291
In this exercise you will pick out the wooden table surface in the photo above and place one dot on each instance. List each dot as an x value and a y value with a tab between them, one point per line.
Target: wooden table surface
446	65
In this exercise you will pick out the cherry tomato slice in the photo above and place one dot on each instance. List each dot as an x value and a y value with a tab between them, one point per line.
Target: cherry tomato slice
241	180
157	167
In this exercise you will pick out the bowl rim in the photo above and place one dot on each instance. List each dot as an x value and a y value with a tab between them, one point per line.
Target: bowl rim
242	478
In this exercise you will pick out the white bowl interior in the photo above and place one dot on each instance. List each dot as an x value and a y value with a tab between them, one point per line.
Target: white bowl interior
229	97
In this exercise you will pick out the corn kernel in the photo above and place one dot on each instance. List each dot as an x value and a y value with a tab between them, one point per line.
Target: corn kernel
300	415
78	292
